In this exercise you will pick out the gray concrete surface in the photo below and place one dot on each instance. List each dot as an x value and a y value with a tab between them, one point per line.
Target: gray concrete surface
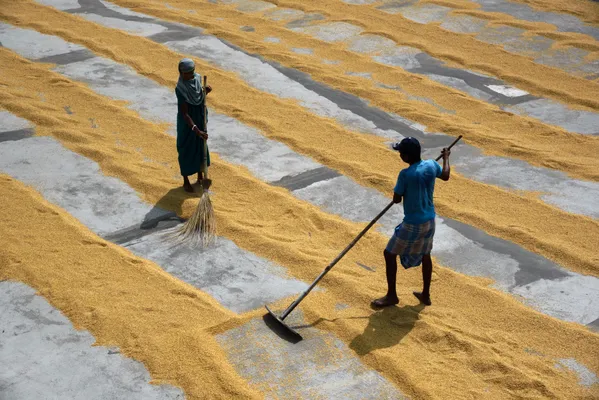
109	78
478	85
42	356
237	279
240	280
466	250
108	206
74	183
586	377
516	40
562	21
13	127
320	366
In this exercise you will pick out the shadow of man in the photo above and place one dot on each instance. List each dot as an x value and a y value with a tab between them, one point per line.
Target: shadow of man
386	328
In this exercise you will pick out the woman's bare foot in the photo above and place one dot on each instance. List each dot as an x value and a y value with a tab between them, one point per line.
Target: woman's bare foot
423	299
385	302
188	188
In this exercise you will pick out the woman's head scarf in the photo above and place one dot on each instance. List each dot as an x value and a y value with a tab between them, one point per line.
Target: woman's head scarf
191	90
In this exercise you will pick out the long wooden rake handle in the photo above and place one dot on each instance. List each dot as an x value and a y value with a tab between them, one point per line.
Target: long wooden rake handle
348	248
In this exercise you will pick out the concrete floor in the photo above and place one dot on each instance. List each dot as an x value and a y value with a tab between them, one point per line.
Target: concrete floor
480	86
320	366
513	269
515	40
44	357
229	273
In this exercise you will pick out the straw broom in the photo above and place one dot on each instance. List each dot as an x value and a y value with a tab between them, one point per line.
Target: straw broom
200	229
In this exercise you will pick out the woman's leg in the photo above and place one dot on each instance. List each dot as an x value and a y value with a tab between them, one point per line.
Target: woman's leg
187	185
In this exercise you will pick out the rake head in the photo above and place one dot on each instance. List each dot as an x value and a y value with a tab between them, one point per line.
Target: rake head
280	328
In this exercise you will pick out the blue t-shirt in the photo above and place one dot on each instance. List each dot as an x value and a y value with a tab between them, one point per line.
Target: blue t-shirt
416	184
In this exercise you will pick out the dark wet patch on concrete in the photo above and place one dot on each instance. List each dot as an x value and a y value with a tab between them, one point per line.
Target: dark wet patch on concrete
397	4
305	21
430	65
306	179
175	35
38	318
68	58
17	134
96	7
532	266
174	31
381	119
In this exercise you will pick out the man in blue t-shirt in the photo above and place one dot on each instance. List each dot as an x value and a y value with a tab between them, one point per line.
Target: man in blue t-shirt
412	240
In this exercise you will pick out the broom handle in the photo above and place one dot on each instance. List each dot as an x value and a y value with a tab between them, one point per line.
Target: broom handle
348	248
205	161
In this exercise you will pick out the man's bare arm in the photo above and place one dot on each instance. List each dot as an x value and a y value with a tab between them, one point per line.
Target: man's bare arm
446	168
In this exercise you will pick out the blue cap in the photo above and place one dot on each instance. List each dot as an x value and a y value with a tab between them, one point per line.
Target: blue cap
408	146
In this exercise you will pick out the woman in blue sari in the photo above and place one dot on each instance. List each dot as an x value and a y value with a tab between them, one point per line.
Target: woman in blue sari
192	118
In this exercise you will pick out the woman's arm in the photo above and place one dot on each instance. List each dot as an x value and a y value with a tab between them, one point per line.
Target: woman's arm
185	112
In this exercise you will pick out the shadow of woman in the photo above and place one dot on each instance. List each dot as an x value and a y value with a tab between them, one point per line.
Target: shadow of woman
386	328
168	208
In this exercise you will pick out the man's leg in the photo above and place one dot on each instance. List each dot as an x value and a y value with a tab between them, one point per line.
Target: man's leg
427	274
391	269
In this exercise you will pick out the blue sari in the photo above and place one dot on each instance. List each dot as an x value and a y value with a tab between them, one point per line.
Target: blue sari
189	145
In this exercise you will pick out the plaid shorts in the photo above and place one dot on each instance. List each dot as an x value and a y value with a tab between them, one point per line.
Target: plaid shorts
411	242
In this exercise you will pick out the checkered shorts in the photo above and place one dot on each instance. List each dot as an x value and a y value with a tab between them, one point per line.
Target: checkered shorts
411	242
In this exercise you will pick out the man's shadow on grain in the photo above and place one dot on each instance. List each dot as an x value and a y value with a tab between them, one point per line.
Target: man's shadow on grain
386	328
